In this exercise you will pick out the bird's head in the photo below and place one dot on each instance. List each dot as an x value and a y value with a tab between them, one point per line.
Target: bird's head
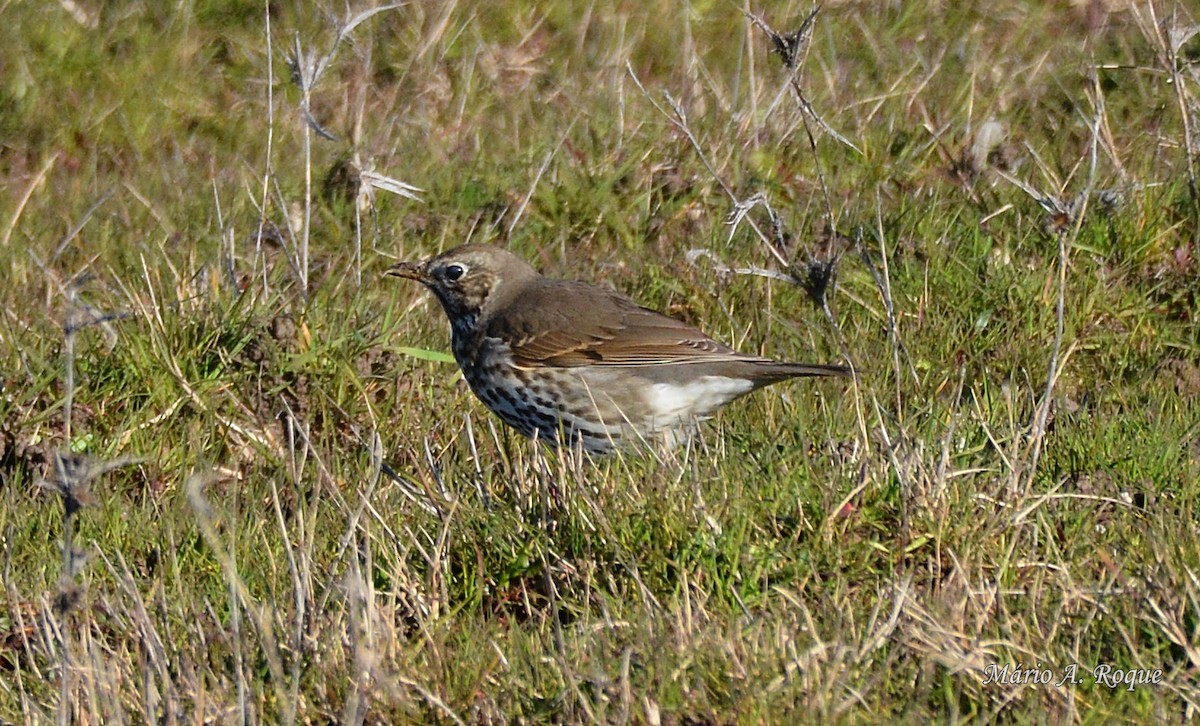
469	278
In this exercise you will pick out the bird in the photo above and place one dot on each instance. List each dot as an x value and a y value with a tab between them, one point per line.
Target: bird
571	363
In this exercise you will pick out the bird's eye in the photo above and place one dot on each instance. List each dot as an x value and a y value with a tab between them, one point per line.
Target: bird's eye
454	272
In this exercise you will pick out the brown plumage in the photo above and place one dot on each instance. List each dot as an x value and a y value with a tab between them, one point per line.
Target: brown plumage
567	361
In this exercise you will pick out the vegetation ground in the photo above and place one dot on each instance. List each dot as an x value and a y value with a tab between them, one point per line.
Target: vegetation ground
989	209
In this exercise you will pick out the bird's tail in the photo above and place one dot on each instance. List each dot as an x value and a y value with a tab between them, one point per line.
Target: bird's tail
779	371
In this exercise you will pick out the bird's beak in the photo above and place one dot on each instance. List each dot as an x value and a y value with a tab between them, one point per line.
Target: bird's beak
411	270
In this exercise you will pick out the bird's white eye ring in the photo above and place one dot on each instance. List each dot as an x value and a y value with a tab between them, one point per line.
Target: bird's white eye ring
454	272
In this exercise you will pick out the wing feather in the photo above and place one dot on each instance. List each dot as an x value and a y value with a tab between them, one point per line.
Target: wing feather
599	328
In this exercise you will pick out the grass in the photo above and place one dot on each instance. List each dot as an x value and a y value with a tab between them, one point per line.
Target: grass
205	376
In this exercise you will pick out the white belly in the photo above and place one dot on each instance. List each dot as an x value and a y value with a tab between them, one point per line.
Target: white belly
672	401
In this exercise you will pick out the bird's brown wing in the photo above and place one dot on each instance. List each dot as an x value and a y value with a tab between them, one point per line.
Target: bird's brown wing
599	327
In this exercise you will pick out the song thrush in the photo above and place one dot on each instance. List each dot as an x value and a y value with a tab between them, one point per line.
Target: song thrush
570	362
